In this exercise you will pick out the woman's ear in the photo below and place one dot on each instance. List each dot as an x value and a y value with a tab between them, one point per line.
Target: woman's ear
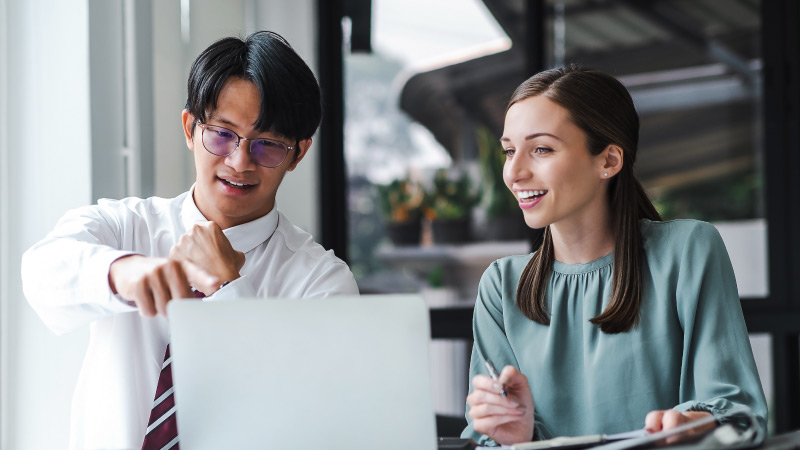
188	128
610	161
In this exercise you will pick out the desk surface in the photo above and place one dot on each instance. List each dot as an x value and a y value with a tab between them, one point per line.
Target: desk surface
785	441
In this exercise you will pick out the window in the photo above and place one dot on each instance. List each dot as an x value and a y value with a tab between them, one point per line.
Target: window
430	100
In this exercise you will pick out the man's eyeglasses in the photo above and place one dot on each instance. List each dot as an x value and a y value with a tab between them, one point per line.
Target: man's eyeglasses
221	141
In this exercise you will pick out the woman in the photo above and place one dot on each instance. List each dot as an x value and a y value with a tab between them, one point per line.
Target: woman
618	321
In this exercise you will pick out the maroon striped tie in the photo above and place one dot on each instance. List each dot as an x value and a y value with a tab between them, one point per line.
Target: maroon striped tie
162	428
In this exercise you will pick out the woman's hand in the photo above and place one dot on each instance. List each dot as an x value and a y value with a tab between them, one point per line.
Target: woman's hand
507	420
667	419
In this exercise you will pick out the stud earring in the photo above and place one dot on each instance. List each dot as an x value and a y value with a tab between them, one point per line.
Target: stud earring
605	174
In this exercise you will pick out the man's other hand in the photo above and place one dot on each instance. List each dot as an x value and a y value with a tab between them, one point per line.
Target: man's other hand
152	282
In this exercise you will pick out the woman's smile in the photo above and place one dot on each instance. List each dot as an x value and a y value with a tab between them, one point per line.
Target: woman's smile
529	198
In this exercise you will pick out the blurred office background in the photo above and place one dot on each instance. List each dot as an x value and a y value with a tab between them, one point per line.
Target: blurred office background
403	179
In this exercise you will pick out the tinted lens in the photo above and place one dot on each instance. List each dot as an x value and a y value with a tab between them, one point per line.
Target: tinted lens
219	141
268	153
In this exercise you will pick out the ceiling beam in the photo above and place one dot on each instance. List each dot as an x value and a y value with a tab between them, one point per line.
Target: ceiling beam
685	31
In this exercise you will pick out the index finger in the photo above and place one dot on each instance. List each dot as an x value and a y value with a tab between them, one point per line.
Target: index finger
179	284
485	383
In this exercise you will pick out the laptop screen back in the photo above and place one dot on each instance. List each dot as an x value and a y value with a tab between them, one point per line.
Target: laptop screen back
348	372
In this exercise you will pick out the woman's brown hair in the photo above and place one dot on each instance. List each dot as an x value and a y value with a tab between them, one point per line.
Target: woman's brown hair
600	106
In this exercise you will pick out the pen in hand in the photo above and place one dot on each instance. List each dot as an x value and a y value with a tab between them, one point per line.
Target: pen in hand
495	376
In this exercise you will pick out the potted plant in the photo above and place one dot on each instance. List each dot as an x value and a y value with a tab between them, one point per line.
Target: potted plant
504	220
402	203
451	201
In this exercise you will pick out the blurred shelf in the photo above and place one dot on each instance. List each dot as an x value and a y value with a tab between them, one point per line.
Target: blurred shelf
479	253
463	264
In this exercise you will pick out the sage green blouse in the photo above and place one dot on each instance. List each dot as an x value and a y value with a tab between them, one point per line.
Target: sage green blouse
690	350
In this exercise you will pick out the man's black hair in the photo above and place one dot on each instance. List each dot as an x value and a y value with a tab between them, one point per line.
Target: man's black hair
290	94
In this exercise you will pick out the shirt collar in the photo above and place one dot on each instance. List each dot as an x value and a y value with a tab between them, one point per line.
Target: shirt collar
244	237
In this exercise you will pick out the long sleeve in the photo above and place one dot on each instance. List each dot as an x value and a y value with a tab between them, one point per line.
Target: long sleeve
718	371
65	275
490	340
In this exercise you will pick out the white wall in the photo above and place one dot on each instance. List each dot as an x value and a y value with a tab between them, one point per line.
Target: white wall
4	270
746	241
173	161
46	170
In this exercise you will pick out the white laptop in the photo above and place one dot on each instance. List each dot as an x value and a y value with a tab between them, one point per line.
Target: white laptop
336	373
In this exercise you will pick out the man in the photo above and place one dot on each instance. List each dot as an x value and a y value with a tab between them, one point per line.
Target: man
253	106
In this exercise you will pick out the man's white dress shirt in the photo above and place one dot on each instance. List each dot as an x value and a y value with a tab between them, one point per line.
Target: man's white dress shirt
65	279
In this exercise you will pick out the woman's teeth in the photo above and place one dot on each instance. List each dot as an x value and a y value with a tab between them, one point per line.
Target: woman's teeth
529	195
235	184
